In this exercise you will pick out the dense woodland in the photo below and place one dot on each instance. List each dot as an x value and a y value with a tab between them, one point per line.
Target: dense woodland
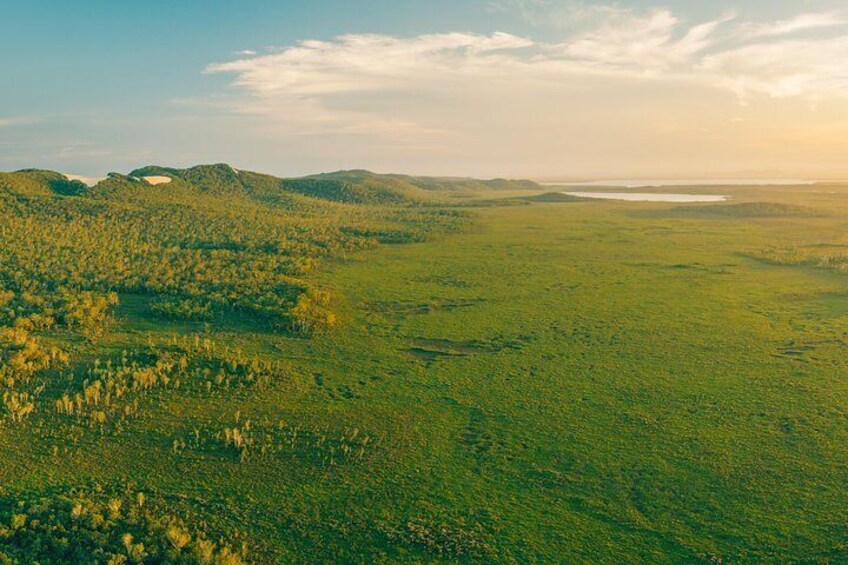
211	243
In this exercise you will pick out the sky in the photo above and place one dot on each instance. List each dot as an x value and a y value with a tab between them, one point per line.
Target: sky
543	89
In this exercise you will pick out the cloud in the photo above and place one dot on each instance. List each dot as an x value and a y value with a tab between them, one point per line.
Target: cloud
558	13
85	150
800	23
303	84
16	121
363	63
649	42
409	87
814	70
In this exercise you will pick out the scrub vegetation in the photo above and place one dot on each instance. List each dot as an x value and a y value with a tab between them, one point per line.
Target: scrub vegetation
236	368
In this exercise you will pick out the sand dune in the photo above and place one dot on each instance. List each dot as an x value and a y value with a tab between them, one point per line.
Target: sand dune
156	180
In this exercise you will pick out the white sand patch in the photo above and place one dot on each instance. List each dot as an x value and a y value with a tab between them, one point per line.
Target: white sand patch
157	180
88	181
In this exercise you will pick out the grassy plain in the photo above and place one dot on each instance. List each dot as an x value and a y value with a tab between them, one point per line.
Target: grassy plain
576	382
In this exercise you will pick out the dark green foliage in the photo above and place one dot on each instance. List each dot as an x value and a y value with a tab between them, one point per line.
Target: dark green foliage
351	187
34	182
552	197
368	187
215	240
432	184
176	308
221	181
350	192
744	210
446	540
99	528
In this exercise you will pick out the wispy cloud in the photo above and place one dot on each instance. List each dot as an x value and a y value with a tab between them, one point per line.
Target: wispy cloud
397	85
558	13
330	85
84	150
814	70
650	42
800	23
363	63
6	122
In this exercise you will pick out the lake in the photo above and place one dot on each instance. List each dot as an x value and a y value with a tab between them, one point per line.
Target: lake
645	183
650	197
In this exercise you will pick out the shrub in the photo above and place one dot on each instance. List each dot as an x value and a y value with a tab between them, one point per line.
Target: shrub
312	313
183	309
89	527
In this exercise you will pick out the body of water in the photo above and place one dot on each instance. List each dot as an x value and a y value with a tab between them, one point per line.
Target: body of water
644	183
650	197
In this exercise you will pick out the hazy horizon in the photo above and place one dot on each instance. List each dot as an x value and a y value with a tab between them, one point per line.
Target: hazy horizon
630	181
541	89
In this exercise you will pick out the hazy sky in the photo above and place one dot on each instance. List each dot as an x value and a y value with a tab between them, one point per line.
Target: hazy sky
531	88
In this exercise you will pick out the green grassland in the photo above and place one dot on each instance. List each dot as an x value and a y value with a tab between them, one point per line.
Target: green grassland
402	375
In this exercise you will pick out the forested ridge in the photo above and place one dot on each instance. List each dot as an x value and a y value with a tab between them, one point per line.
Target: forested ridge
211	240
201	245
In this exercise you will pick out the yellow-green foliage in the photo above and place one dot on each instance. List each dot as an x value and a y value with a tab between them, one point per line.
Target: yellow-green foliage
312	314
85	311
23	354
214	238
833	257
97	528
323	448
22	357
111	391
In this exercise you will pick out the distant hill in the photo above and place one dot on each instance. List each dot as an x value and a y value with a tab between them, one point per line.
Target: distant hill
430	184
360	186
352	187
34	182
173	184
218	180
223	179
357	187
